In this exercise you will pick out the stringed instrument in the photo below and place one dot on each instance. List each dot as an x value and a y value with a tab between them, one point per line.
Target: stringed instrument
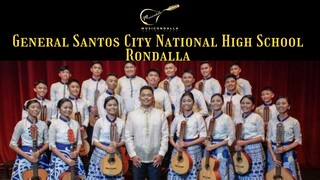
182	161
166	88
71	174
85	148
241	160
200	86
210	165
229	108
43	113
279	172
150	17
93	117
35	173
111	164
266	117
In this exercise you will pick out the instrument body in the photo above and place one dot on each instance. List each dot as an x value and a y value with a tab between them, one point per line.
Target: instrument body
229	108
210	165
241	160
43	113
111	164
85	148
182	161
279	172
93	117
71	174
35	173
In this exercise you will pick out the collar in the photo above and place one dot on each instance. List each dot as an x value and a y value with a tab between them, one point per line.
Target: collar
244	116
207	78
188	115
31	120
278	117
111	121
238	77
216	117
109	92
131	77
40	98
171	77
63	83
72	98
145	110
229	94
93	79
189	90
267	105
64	119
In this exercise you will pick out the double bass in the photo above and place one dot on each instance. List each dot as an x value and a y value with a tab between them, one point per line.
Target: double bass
279	172
35	173
210	165
182	161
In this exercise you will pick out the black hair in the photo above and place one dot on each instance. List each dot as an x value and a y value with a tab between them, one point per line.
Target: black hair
112	74
188	71
96	62
250	97
109	98
230	76
204	62
71	81
217	94
267	88
154	70
284	97
146	87
31	102
36	83
235	64
187	93
61	101
64	67
131	62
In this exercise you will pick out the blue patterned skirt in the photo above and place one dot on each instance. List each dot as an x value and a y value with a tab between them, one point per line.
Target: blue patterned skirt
222	153
196	154
289	160
94	171
257	155
21	164
57	166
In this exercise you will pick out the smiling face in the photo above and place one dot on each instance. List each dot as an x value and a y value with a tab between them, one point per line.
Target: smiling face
266	96
74	89
282	105
153	79
96	70
112	82
41	90
112	107
170	69
146	98
34	109
187	103
129	69
216	103
66	109
246	105
205	70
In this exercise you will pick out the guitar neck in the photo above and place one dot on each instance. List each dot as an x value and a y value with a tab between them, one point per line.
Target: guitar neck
73	172
35	165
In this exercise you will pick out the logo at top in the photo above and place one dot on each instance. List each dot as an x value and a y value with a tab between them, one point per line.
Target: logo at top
150	17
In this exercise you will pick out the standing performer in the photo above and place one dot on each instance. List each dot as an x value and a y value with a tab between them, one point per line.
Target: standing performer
223	136
101	138
252	136
290	141
25	155
195	134
62	158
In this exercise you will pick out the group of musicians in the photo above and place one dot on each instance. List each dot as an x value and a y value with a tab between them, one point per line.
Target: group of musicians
103	129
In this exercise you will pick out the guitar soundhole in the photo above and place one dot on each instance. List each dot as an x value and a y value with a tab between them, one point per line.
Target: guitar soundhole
111	160
277	177
239	159
180	159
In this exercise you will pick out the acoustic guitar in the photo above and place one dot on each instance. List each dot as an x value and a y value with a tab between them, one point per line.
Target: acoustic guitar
210	165
85	148
35	173
182	161
93	117
111	164
279	172
71	174
241	160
